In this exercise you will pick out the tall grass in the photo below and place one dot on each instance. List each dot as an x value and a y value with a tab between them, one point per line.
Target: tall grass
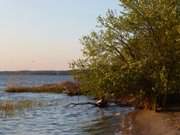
67	87
9	107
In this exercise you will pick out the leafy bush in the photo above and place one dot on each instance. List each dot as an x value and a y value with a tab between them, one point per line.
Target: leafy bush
135	52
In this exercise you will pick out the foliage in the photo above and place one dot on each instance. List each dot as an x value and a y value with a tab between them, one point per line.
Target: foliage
134	52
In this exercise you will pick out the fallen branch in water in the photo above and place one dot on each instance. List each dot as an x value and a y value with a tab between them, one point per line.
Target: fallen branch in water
85	103
99	103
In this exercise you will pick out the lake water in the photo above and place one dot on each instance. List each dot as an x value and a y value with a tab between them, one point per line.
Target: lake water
56	116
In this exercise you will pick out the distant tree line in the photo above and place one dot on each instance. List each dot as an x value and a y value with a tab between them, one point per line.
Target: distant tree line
134	52
65	72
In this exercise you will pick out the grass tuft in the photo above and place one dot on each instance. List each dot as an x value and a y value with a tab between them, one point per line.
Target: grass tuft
9	107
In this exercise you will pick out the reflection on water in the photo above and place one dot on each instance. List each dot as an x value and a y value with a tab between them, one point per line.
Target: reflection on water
54	115
108	124
105	125
56	118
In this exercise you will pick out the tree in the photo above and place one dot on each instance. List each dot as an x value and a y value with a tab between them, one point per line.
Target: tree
135	52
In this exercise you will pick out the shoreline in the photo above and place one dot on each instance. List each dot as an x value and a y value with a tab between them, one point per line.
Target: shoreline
146	122
139	122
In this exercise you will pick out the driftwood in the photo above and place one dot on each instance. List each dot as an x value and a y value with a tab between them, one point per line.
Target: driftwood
99	103
83	103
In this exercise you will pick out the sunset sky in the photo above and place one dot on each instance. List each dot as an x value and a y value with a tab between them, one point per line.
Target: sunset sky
44	34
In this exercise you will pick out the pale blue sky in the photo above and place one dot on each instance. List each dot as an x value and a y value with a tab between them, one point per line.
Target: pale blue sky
44	34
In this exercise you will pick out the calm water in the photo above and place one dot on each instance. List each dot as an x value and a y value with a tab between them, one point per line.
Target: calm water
57	117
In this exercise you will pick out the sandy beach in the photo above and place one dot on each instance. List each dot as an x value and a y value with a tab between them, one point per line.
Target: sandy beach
152	123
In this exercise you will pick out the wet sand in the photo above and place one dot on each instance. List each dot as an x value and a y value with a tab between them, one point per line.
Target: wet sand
152	123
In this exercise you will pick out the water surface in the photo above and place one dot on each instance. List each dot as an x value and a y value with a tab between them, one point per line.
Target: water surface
57	116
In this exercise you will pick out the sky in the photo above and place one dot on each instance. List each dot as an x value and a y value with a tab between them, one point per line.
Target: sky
44	34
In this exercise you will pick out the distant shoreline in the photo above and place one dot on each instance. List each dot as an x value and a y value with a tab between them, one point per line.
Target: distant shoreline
38	72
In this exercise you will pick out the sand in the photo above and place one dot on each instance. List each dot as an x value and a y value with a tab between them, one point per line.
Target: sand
152	123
